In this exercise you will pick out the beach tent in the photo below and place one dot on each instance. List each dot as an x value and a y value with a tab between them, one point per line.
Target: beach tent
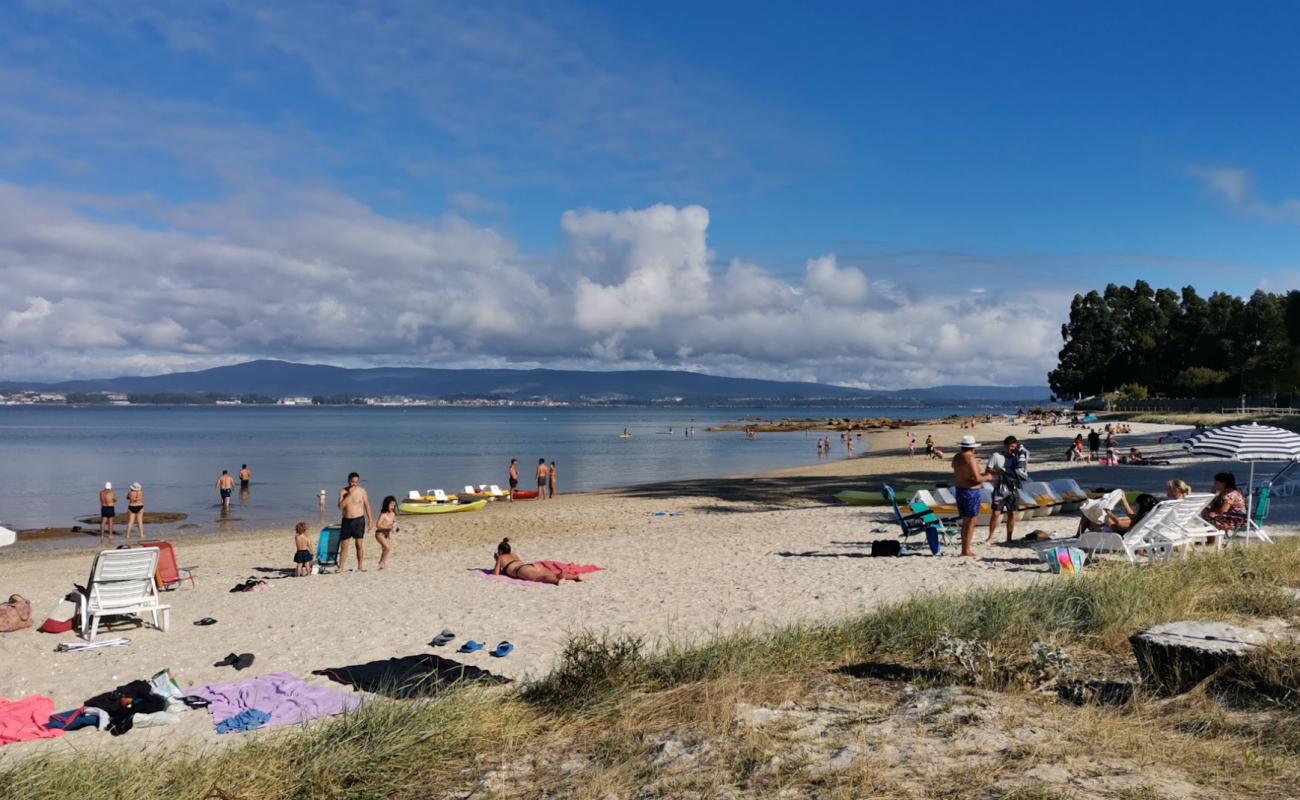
1250	443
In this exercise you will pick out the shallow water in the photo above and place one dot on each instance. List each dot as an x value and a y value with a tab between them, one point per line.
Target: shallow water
56	458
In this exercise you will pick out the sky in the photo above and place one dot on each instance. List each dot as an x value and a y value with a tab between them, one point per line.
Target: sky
881	195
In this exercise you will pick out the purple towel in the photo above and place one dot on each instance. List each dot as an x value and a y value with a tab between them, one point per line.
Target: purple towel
287	699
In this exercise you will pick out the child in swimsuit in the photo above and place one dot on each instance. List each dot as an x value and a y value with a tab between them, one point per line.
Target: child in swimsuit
302	556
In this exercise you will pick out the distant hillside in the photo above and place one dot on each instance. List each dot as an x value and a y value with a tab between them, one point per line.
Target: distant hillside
281	378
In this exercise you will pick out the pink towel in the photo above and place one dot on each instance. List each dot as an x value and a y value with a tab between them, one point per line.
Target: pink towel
26	719
559	567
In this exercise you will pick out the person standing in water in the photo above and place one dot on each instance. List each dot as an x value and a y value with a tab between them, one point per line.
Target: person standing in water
225	485
551	480
543	478
245	478
354	502
107	513
135	510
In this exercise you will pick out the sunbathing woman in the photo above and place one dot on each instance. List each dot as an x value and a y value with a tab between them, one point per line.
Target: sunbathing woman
512	566
1118	524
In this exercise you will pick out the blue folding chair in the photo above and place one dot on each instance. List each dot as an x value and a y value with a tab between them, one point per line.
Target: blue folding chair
919	519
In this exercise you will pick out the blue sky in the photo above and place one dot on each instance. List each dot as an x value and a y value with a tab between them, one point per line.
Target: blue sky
963	166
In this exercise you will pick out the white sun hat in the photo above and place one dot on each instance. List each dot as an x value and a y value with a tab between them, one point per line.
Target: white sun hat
968	441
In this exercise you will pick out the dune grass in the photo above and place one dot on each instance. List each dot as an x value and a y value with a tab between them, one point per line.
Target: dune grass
609	703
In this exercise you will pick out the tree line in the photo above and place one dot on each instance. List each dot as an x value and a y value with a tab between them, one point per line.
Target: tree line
1138	342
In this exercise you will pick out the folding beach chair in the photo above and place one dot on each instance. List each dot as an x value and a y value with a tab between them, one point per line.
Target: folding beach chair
169	576
122	583
327	547
1254	525
919	519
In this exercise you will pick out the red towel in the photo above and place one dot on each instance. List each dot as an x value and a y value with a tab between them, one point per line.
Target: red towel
559	567
24	720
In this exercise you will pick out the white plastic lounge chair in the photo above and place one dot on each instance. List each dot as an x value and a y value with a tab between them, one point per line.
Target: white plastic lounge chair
1187	517
122	582
1153	538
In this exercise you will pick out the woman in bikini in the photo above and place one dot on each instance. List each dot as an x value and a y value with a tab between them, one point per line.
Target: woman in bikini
385	527
135	510
512	566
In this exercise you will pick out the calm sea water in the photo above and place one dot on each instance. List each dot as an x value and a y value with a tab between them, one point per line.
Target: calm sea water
55	459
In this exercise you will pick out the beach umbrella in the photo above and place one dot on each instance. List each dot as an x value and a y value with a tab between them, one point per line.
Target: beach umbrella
1253	442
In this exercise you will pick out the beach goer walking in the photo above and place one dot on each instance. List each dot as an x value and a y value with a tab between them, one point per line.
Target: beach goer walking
135	510
911	444
302	556
225	484
543	478
967	477
514	476
1094	443
552	480
929	445
1010	468
245	478
107	512
354	502
385	527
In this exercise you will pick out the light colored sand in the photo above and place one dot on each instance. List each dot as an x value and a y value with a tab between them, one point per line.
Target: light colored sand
725	564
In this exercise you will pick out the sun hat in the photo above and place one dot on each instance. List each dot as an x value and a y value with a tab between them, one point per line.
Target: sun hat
108	486
135	487
968	442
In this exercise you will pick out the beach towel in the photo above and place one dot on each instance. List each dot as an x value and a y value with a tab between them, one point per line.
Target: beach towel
284	697
79	718
249	720
410	676
559	567
26	719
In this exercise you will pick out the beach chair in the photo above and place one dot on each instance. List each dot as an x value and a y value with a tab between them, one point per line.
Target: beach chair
1254	525
327	547
414	494
169	576
1154	538
918	519
441	496
121	583
1185	514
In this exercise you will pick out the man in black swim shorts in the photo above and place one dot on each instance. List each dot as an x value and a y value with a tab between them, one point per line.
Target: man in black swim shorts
354	502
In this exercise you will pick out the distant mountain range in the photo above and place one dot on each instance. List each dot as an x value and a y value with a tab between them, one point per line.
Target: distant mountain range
285	379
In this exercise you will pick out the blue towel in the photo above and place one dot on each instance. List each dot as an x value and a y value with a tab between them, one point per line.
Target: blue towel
249	720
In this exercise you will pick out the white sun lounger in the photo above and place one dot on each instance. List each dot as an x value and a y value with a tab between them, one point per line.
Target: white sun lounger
122	582
1153	538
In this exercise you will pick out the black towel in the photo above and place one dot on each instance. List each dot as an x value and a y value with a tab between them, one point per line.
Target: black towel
408	677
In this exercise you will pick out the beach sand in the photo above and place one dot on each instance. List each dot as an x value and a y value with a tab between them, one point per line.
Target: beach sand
746	552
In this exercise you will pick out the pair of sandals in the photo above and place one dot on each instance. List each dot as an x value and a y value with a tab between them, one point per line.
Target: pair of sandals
239	661
251	585
500	651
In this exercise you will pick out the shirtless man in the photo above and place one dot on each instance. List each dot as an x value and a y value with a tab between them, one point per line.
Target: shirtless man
514	476
355	505
107	513
245	477
543	478
967	477
552	479
225	484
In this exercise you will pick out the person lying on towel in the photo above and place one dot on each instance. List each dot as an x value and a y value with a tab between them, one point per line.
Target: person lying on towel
512	566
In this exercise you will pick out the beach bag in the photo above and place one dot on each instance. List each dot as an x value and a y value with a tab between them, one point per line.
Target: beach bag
888	547
62	618
15	615
1065	560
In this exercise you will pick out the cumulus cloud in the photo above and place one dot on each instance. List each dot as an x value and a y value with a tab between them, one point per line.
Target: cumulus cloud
318	276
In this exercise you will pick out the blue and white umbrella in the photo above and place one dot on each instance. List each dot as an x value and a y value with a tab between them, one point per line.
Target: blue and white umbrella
1253	442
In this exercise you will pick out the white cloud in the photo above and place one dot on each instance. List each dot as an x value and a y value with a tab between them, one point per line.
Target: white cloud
1236	187
317	276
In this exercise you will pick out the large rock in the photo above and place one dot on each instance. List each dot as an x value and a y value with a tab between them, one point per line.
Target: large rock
1176	656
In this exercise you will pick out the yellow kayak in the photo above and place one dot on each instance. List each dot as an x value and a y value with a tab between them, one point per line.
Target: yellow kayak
419	507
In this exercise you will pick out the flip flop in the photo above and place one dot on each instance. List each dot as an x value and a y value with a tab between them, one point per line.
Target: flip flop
443	638
244	661
205	621
504	649
470	647
228	661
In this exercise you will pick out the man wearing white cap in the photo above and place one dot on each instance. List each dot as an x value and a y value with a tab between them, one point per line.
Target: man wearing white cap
967	477
107	513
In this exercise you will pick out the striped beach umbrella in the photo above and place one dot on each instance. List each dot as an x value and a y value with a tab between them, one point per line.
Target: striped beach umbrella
1253	442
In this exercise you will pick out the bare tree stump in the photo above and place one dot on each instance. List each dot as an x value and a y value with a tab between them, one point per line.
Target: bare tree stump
1176	656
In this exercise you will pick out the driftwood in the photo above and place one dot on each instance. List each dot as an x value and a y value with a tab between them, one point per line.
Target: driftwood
1176	656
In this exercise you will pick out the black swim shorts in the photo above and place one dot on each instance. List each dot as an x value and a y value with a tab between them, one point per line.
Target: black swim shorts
514	483
225	493
353	528
107	512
